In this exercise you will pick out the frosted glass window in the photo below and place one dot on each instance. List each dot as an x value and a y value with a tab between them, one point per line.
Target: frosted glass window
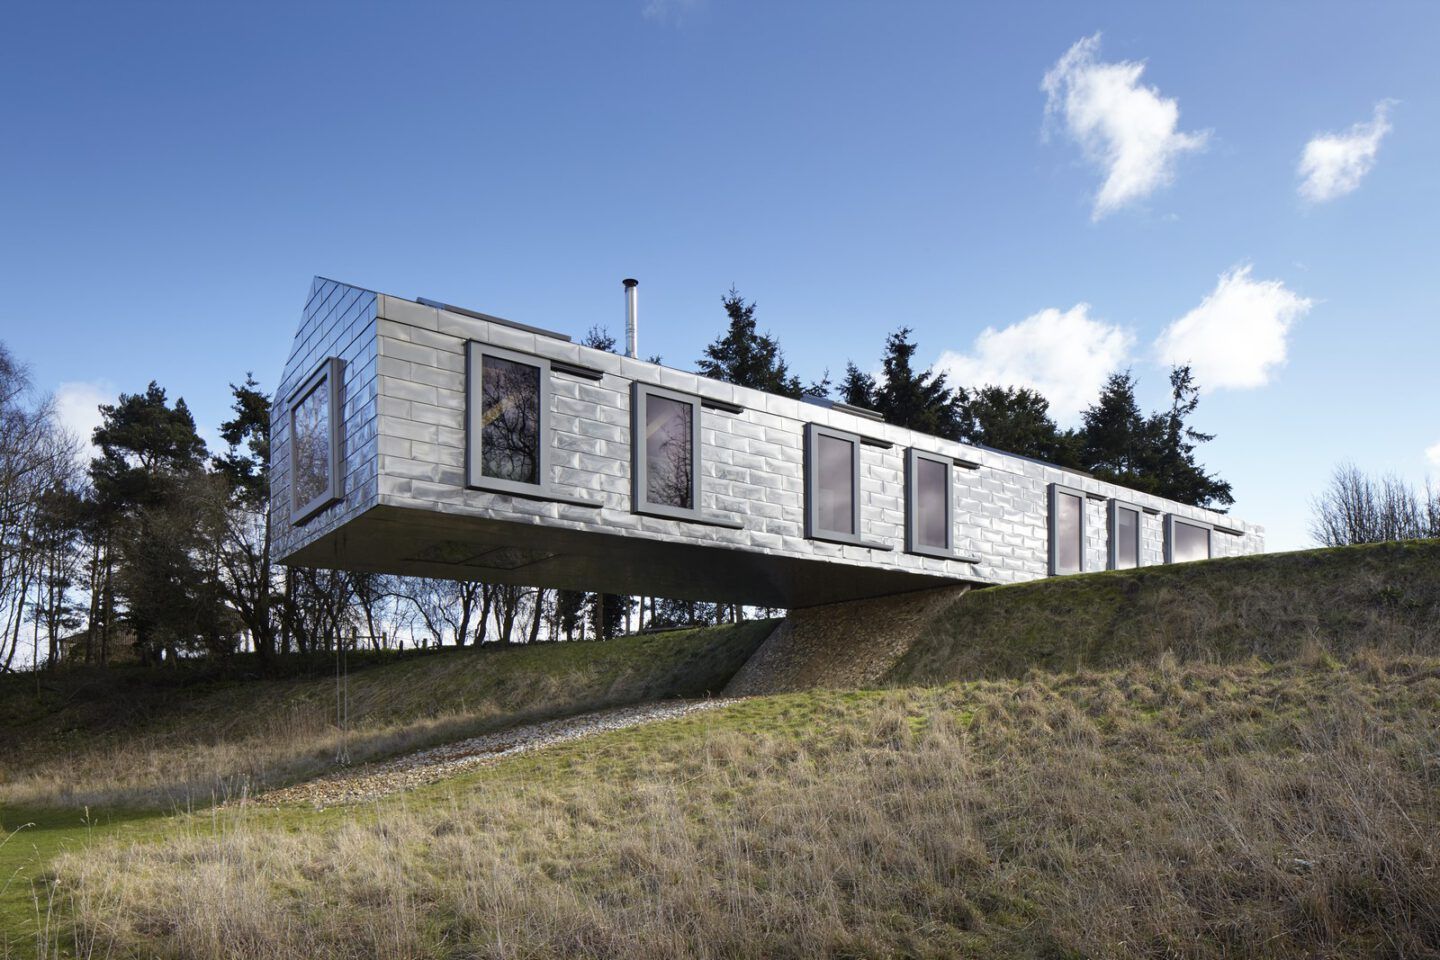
669	452
1127	538
1188	542
835	484
932	513
510	420
1069	531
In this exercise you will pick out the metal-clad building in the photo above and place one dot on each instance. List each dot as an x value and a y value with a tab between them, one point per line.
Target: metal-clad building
416	438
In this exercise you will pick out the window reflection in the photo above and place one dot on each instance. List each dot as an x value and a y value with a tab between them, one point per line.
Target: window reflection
1068	532
835	483
510	420
310	423
1127	538
932	480
1189	542
669	452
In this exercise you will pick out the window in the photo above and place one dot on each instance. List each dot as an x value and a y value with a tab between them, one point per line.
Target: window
1124	536
666	445
315	442
1186	540
1067	530
928	504
508	419
832	484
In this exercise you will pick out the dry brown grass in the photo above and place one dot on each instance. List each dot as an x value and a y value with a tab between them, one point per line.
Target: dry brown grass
138	739
1157	811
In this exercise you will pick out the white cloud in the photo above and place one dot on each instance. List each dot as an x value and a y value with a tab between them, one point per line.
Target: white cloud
77	406
1237	336
1433	455
1333	164
1125	129
1064	355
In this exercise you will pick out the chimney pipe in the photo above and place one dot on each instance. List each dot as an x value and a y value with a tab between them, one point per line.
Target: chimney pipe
632	319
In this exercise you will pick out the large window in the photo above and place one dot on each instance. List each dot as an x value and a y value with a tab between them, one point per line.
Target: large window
315	442
832	484
928	504
1186	540
666	447
1124	536
1067	530
508	435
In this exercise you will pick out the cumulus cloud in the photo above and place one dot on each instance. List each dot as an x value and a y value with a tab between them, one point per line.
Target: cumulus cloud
1333	164
1065	355
1125	129
77	405
1433	455
1238	336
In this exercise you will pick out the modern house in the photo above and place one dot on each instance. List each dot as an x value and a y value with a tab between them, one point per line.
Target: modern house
413	437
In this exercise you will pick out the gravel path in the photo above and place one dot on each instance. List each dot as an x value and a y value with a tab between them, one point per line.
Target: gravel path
427	766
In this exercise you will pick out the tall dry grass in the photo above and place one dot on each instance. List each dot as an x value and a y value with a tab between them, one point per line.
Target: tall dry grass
1159	811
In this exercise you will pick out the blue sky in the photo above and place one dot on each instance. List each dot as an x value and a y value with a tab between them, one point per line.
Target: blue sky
174	175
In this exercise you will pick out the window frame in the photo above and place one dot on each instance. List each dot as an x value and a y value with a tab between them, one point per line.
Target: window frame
1053	523
813	530
912	504
475	479
329	374
640	394
1171	520
1113	534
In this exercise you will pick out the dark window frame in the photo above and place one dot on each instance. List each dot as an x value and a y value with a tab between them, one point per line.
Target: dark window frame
813	530
328	374
1113	534
475	479
640	394
912	504
1053	524
1171	520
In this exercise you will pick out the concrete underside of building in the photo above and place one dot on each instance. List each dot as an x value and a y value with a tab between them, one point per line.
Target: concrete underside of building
400	488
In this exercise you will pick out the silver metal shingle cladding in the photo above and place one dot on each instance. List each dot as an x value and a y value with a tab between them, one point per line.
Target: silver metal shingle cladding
403	437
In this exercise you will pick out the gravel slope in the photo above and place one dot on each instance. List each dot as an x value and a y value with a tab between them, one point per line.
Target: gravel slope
427	766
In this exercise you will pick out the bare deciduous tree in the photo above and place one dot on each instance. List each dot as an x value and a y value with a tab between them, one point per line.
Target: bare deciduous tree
1358	508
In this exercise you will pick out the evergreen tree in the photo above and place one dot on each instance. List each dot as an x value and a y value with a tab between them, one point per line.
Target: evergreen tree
1015	420
248	585
858	388
1116	437
746	358
1171	465
912	399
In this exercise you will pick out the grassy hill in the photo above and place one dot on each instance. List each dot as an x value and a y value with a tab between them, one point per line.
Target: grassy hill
1235	758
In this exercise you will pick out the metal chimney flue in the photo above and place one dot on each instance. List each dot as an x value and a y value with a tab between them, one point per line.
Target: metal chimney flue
632	318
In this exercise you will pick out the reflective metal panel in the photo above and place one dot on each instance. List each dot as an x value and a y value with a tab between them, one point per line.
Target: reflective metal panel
510	420
669	455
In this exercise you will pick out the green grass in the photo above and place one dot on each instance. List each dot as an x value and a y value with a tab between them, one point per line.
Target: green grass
1272	607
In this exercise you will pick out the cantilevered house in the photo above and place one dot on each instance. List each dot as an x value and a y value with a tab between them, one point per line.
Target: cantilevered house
414	437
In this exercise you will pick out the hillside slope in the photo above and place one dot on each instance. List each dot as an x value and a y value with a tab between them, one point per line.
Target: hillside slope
134	737
1273	607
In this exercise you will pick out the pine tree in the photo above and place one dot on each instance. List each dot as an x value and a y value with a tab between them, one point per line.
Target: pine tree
746	358
1117	437
858	388
1015	420
1171	461
910	398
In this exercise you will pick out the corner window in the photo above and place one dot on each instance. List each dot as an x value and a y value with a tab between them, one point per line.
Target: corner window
1067	530
1124	536
315	442
832	484
666	445
928	504
1186	540
507	420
